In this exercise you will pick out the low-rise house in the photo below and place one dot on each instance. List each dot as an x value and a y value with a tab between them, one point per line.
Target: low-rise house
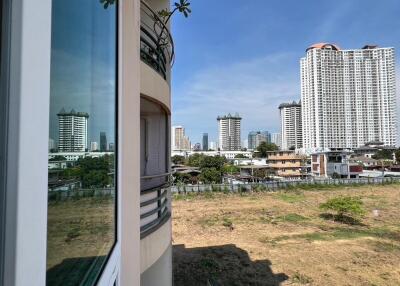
334	164
287	164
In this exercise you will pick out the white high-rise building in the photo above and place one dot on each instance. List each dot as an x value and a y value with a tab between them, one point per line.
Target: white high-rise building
94	146
229	132
276	138
213	145
348	97
178	139
72	131
291	131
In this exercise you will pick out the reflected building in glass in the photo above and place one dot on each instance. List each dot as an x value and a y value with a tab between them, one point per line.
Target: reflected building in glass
88	178
72	131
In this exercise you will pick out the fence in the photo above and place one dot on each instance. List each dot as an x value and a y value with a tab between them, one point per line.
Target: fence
274	185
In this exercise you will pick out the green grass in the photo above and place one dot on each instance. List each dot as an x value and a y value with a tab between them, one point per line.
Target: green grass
292	217
290	197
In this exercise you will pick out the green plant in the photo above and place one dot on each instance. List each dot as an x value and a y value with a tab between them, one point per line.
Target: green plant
301	278
344	206
227	222
107	3
165	16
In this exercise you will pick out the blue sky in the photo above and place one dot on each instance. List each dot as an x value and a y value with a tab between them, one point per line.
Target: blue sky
83	63
243	56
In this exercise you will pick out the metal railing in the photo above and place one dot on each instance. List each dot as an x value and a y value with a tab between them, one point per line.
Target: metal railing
155	206
156	43
275	185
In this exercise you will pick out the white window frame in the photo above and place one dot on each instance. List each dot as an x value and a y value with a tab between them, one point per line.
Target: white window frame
27	147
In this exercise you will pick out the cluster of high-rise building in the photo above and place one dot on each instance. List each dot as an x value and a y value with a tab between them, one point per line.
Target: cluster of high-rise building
348	98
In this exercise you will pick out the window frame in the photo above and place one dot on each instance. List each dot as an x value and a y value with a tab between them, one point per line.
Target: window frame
4	98
108	272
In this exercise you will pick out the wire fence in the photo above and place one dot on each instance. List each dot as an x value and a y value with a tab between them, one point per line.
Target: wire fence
275	185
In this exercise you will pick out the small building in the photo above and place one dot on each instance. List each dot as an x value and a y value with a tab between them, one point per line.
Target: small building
287	164
334	164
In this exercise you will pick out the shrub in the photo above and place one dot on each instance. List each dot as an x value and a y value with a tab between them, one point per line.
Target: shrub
344	206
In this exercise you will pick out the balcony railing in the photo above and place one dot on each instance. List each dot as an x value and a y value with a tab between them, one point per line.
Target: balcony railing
155	207
156	43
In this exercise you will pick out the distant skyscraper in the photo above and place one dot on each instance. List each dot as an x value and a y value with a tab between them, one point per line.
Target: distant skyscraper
72	131
348	97
291	131
205	141
229	132
52	144
256	137
197	147
252	140
245	143
276	139
213	146
94	146
179	140
111	147
103	142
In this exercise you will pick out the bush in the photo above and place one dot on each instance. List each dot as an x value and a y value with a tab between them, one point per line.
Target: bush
344	206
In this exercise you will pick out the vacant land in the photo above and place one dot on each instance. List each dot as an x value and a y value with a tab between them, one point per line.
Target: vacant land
283	238
80	235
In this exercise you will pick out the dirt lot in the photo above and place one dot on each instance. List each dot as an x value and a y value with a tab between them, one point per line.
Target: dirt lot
283	238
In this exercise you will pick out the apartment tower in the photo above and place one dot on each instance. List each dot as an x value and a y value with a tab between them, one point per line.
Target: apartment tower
179	140
348	97
229	132
291	131
72	131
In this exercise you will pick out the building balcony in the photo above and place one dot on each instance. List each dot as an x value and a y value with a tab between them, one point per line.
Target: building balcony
155	207
156	42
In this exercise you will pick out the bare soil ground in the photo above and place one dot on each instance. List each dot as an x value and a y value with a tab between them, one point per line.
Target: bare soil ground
283	238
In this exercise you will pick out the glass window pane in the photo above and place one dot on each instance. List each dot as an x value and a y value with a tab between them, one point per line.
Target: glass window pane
82	159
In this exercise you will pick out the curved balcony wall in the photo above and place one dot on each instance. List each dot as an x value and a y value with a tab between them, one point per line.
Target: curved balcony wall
155	201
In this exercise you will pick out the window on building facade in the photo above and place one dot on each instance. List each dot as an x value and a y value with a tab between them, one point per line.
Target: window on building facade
82	159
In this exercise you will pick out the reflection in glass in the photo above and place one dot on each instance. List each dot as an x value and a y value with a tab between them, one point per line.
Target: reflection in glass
81	183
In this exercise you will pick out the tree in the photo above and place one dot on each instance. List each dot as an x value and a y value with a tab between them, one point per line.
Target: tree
264	147
383	155
397	155
211	176
230	169
182	178
178	160
292	148
344	206
194	160
58	158
240	156
216	162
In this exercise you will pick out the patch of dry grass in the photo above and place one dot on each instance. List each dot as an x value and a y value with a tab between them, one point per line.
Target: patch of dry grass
286	231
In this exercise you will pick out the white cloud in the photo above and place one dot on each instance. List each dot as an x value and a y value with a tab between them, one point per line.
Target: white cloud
253	88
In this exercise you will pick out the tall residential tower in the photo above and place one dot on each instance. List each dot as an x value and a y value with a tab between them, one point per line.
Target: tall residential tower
72	131
348	97
290	114
229	132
